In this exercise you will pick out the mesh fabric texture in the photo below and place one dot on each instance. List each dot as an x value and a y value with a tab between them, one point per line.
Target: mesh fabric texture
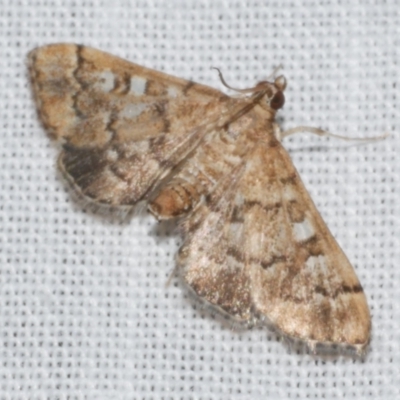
85	312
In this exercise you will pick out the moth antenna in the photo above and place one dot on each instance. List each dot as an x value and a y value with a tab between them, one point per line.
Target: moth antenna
274	73
250	90
321	132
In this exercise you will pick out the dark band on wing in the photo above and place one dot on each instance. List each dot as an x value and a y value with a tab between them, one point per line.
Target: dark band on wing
341	290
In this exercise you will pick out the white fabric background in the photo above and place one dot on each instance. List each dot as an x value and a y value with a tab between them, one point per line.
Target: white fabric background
84	310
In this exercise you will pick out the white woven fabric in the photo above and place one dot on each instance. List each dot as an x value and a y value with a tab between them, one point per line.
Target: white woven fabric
84	309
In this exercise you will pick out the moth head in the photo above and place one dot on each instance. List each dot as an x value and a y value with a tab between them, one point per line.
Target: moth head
272	92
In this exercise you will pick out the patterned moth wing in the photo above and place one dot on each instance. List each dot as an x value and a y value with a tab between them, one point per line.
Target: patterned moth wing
123	127
258	249
255	247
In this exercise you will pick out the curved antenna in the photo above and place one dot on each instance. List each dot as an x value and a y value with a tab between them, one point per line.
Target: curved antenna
273	74
250	90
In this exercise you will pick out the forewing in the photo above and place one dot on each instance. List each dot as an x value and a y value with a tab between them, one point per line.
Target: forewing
258	248
123	127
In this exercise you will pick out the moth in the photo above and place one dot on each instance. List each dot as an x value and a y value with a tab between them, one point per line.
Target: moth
254	245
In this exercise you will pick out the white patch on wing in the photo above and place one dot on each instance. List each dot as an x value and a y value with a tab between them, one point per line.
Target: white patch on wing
236	233
142	146
173	91
303	230
239	199
314	263
289	193
105	81
133	110
111	155
138	85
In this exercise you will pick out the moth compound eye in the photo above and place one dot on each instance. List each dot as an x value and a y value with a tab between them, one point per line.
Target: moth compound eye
277	101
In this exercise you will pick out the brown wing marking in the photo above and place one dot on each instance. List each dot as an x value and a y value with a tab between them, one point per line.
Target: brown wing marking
289	269
124	127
